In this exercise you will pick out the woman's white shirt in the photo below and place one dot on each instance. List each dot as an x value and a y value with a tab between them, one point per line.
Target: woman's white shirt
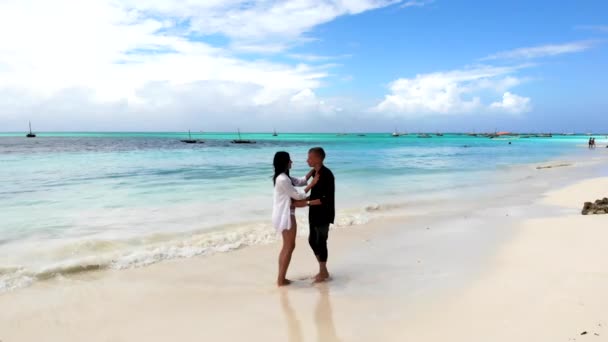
284	192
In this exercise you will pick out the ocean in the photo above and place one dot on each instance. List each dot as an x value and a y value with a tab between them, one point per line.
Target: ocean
79	201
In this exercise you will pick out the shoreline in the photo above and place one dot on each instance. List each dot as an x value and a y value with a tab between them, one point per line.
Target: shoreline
388	281
184	245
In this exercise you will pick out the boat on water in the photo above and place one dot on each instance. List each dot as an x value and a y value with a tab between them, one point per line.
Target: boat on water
424	135
499	134
190	140
242	141
275	134
439	134
30	134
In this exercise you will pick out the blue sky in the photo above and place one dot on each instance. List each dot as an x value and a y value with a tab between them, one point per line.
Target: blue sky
305	65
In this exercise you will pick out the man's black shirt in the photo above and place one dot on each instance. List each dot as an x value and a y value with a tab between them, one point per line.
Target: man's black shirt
325	191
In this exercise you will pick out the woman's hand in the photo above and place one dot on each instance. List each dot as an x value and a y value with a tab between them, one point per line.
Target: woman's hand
313	183
316	179
309	174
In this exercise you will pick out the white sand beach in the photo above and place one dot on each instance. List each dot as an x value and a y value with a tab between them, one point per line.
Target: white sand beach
513	266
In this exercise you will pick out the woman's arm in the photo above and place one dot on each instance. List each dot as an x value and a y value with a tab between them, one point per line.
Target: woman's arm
303	181
299	181
313	183
288	188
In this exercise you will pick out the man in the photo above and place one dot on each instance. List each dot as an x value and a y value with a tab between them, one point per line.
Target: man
321	216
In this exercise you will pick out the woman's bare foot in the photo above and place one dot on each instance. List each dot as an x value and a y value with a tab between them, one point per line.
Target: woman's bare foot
283	282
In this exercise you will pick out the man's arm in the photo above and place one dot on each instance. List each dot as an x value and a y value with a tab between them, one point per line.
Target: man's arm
304	203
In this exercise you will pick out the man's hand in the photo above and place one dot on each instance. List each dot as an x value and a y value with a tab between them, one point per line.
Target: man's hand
304	203
298	204
315	202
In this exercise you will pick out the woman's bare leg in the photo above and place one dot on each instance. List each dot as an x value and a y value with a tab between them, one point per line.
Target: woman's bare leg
289	244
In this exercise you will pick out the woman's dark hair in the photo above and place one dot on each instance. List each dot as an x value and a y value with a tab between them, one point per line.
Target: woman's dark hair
281	165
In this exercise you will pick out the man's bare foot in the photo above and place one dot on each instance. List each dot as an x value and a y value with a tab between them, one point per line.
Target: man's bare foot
283	282
322	277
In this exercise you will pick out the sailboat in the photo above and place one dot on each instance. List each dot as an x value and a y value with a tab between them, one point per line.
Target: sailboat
275	134
241	141
30	134
190	140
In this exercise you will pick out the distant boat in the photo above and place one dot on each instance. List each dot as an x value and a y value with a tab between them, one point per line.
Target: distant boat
190	140
498	134
275	134
361	135
424	135
396	133
30	134
439	134
241	141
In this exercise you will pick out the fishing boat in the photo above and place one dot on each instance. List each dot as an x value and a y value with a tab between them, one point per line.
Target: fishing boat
30	134
190	140
242	141
498	134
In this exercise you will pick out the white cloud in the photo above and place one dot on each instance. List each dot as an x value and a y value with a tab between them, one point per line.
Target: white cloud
542	50
250	23
316	58
452	92
135	57
512	103
417	3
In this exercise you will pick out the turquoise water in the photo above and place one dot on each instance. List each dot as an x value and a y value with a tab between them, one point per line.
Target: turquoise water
73	201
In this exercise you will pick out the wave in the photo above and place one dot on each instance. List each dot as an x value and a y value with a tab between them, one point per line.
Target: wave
100	254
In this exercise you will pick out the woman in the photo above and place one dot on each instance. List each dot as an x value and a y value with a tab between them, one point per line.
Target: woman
286	197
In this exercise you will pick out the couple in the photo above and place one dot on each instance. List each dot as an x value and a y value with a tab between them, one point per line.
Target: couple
321	208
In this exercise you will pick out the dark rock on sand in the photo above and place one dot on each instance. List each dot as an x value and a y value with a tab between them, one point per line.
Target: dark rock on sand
599	207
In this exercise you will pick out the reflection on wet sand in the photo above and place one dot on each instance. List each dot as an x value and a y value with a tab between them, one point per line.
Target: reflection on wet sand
323	317
324	320
294	330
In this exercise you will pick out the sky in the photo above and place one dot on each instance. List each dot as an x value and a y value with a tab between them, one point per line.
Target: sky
304	65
